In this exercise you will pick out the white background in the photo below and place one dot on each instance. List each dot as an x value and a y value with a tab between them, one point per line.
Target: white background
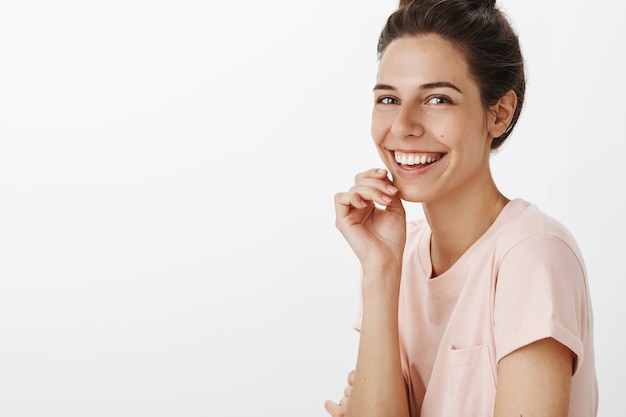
167	240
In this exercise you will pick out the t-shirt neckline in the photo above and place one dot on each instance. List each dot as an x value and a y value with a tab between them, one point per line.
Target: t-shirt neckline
424	244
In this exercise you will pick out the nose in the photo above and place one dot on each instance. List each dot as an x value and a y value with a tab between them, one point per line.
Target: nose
408	122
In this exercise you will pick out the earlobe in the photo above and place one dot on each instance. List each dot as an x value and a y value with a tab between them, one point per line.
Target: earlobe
502	112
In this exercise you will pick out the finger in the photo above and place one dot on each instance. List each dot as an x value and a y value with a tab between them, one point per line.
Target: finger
347	391
373	192
334	409
371	173
374	185
381	185
347	200
376	178
351	376
395	205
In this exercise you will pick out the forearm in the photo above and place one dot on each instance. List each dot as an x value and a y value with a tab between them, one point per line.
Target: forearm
379	387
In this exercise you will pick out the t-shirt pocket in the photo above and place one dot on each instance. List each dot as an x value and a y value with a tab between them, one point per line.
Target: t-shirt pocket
471	382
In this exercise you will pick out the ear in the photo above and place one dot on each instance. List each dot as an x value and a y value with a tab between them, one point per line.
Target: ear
502	114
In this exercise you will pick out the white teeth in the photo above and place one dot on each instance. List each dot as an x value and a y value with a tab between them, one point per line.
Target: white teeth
414	159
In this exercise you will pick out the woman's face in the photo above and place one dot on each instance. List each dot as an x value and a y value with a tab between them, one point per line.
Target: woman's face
428	122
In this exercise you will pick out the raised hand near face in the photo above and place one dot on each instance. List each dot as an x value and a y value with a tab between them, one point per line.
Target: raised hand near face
372	219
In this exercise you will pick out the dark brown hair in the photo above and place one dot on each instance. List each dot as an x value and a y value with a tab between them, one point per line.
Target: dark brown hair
480	31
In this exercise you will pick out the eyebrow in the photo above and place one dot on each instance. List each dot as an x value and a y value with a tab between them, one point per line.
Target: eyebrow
427	86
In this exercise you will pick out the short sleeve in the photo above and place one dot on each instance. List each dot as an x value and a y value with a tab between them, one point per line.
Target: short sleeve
541	292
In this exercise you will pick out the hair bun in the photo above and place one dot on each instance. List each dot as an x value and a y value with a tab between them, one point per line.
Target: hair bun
491	3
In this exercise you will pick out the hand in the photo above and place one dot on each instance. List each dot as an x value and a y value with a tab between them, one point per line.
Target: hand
339	409
376	234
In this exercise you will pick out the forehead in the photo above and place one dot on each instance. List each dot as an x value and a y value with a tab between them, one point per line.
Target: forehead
423	58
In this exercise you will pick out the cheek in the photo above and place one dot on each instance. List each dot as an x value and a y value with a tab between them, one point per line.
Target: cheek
379	128
448	137
452	134
377	135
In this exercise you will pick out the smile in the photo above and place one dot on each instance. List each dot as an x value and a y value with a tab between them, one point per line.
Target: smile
404	158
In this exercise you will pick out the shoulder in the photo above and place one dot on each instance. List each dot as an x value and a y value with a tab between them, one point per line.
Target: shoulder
539	258
540	284
525	224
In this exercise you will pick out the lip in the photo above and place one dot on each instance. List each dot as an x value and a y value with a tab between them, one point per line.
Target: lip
415	171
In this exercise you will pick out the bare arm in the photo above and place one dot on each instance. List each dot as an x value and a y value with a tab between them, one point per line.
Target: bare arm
535	381
377	236
379	387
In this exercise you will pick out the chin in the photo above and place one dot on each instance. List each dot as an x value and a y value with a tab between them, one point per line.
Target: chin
412	196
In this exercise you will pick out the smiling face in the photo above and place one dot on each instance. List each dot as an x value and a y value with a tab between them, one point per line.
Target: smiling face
428	123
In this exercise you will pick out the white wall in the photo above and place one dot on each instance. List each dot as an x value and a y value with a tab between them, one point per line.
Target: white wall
167	241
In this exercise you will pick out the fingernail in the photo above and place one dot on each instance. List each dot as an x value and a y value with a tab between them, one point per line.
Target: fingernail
381	171
386	199
391	188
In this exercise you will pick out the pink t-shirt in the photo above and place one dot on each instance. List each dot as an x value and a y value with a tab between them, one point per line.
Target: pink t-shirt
522	281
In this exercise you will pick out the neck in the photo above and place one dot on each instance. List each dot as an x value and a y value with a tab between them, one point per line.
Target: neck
460	220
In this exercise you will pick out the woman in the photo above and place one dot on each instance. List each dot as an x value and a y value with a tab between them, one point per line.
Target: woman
482	308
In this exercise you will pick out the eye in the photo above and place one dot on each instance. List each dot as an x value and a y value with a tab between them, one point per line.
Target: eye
387	100
438	100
